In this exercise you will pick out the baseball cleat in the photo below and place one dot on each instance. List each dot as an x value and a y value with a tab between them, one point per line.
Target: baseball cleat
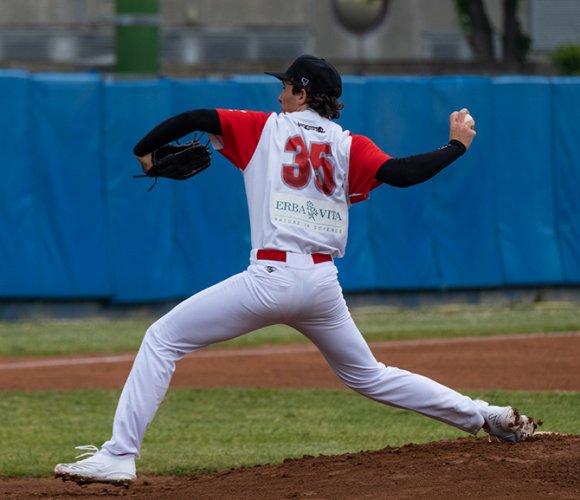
99	467
506	424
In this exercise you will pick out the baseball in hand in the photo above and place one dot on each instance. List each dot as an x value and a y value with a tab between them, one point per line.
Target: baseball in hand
468	118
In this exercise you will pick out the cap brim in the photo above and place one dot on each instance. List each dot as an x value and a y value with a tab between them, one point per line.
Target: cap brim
280	76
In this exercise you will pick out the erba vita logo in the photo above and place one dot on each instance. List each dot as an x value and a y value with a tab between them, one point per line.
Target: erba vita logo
308	211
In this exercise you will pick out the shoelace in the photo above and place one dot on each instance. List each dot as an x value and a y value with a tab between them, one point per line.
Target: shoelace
90	450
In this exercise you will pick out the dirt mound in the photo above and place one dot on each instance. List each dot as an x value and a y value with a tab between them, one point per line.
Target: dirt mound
546	467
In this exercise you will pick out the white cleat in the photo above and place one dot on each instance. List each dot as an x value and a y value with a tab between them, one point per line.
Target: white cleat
506	424
99	467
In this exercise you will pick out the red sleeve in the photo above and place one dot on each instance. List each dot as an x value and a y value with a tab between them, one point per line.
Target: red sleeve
365	160
241	131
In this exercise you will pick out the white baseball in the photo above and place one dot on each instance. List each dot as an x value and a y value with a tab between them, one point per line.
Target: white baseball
468	118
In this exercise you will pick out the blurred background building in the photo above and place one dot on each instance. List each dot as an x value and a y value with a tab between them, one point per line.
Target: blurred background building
233	36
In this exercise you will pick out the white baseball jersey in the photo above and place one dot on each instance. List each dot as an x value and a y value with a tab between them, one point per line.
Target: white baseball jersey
301	174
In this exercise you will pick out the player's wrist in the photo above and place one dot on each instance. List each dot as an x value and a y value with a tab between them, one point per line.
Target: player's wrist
458	144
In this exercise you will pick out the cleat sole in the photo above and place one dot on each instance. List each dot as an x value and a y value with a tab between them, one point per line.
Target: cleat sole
84	481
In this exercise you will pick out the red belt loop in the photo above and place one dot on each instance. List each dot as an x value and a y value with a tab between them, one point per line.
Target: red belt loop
280	256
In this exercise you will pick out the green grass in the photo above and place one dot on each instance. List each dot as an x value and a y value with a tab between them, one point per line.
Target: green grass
53	337
215	429
118	336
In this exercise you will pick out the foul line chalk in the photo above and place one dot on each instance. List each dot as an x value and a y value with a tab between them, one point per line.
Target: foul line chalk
279	349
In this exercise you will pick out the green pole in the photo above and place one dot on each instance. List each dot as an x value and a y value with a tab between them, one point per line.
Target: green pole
137	37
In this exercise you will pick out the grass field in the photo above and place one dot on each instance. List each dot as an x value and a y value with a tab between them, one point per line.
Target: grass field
116	336
213	429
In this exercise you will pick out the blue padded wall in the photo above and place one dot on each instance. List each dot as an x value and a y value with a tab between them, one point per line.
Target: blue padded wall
76	224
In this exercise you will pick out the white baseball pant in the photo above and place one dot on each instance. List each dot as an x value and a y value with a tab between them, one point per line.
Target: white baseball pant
298	293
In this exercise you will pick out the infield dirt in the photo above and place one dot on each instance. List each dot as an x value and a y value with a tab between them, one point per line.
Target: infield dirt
545	467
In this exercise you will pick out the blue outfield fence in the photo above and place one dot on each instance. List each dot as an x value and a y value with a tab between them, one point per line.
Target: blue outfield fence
75	224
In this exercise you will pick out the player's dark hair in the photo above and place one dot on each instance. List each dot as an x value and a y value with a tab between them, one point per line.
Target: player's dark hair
325	105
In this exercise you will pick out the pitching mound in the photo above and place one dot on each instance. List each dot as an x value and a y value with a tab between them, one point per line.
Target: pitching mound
545	467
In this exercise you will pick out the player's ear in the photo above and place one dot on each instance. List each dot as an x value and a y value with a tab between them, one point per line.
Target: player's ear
303	96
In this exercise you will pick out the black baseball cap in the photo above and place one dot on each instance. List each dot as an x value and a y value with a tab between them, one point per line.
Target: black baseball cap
314	74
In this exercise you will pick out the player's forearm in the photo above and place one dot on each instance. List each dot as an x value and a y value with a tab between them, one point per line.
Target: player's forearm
405	172
197	120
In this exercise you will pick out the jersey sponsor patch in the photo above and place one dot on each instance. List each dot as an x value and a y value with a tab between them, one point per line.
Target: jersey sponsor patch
302	212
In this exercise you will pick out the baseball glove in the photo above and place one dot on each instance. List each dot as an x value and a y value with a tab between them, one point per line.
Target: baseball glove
178	161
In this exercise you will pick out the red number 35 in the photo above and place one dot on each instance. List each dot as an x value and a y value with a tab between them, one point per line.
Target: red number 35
297	174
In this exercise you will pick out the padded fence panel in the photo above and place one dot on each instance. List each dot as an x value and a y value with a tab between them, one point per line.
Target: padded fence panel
20	265
140	223
64	141
53	209
213	234
565	170
524	181
400	234
462	210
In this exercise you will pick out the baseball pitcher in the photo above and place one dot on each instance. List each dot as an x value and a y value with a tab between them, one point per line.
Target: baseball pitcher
302	172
